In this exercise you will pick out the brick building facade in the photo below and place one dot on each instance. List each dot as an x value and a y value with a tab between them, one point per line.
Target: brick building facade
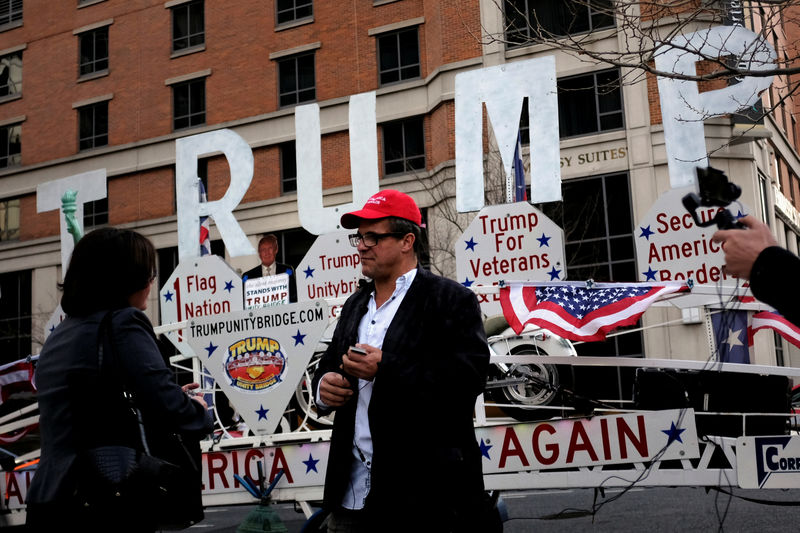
111	84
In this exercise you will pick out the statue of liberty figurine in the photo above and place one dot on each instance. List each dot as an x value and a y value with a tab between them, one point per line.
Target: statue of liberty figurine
69	204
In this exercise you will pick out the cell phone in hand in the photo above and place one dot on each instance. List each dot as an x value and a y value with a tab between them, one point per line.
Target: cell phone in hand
356	349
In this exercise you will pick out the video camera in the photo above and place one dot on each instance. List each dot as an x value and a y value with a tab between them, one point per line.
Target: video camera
714	191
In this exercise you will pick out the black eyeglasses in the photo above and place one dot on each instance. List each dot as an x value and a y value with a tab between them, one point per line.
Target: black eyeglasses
371	239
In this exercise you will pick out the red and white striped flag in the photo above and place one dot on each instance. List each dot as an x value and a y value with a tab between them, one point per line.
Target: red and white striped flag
776	321
15	378
205	236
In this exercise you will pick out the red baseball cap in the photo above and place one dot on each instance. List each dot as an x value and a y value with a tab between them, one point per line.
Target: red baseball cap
386	203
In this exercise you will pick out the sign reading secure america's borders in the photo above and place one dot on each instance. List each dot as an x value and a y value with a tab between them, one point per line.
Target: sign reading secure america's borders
259	356
671	247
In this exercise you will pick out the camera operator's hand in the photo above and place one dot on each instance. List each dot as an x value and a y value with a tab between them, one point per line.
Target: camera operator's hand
742	247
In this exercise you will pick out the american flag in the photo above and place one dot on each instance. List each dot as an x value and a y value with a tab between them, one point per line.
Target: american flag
205	239
776	321
579	311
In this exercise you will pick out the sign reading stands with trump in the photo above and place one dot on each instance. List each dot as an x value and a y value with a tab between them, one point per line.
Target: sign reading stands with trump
266	291
258	357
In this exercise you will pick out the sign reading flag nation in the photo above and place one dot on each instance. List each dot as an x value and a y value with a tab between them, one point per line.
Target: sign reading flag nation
580	311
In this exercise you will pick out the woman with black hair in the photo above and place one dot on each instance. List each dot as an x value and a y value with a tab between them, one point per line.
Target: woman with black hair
106	288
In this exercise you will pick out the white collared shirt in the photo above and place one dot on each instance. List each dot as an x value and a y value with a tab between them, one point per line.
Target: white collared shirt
268	270
371	330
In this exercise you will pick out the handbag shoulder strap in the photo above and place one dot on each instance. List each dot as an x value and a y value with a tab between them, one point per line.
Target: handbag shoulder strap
106	334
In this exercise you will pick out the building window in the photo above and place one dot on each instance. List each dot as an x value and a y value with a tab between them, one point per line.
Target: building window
9	221
398	56
93	126
94	51
288	167
291	10
590	103
95	213
293	244
10	11
11	74
598	227
296	80
189	103
15	316
10	145
188	26
403	146
533	20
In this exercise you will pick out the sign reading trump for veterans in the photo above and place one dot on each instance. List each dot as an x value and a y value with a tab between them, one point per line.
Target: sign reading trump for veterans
671	247
509	242
201	286
258	357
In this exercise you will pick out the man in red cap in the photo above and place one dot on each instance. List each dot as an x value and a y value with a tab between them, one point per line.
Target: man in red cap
403	452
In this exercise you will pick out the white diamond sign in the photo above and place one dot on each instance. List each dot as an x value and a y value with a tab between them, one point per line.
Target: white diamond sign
259	356
671	247
509	242
200	286
330	269
56	318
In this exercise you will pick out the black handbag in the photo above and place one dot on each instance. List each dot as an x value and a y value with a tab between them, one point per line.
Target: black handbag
161	484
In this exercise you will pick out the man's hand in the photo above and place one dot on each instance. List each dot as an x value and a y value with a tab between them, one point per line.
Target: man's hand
334	390
362	366
189	390
742	247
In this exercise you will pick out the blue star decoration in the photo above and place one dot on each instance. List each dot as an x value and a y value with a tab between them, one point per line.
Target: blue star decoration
673	434
229	285
470	244
167	296
554	274
311	464
309	272
544	240
485	449
210	348
298	339
52	328
646	232
262	413
650	274
467	282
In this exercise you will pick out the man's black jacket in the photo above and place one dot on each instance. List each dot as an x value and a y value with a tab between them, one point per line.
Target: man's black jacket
434	364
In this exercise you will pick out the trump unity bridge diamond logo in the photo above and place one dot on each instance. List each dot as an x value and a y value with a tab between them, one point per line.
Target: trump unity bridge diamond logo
255	363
